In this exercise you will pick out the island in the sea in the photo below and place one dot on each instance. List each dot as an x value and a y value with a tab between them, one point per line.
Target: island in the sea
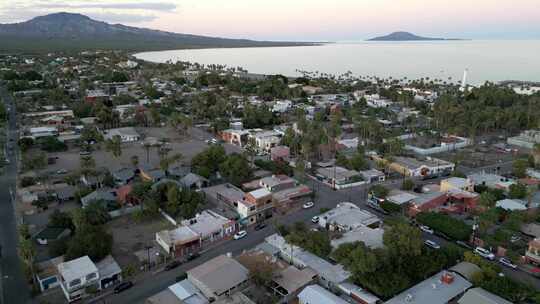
406	36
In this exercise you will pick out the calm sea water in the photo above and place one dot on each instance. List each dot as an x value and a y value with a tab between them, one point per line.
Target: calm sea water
485	60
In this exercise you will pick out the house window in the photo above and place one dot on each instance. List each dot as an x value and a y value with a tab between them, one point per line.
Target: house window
91	276
75	283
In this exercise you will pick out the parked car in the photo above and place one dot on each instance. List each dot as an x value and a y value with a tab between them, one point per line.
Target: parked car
506	262
315	219
260	226
61	171
308	205
432	244
484	253
426	229
172	265
193	256
84	153
240	234
515	238
123	286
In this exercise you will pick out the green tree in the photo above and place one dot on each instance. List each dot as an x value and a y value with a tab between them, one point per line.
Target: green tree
407	184
114	145
517	191
235	168
519	168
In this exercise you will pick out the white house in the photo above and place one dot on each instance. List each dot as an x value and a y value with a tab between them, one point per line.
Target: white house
76	276
127	134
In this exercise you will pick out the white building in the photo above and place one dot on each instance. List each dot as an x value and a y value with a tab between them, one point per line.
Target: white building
77	275
127	134
315	294
265	140
282	106
346	217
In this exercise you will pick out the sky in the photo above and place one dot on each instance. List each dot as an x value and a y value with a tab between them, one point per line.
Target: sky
303	20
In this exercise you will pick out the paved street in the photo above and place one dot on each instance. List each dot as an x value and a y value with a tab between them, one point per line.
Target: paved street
14	287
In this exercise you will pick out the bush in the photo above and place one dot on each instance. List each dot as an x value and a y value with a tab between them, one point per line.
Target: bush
390	207
379	191
451	227
407	184
27	181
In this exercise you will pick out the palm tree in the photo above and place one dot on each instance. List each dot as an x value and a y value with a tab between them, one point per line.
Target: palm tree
114	145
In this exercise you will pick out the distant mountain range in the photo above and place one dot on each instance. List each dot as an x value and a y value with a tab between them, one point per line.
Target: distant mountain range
67	32
406	36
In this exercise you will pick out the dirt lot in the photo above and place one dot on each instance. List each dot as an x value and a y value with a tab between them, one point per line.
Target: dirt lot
130	236
188	146
477	156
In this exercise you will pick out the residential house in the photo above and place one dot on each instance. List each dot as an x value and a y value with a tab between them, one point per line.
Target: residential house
329	275
39	132
457	183
104	195
527	139
288	282
194	181
183	292
512	204
127	134
255	206
373	176
50	234
210	226
219	277
460	201
110	272
123	176
401	199
490	180
235	137
339	177
479	295
357	294
76	276
280	153
315	294
93	96
265	140
426	202
277	183
226	194
178	242
46	275
442	288
413	167
346	217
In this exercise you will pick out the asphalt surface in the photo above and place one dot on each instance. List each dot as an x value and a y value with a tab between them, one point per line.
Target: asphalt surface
14	288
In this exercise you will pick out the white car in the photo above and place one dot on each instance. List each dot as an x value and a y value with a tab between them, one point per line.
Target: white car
240	234
484	253
432	244
308	205
506	262
315	219
426	229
